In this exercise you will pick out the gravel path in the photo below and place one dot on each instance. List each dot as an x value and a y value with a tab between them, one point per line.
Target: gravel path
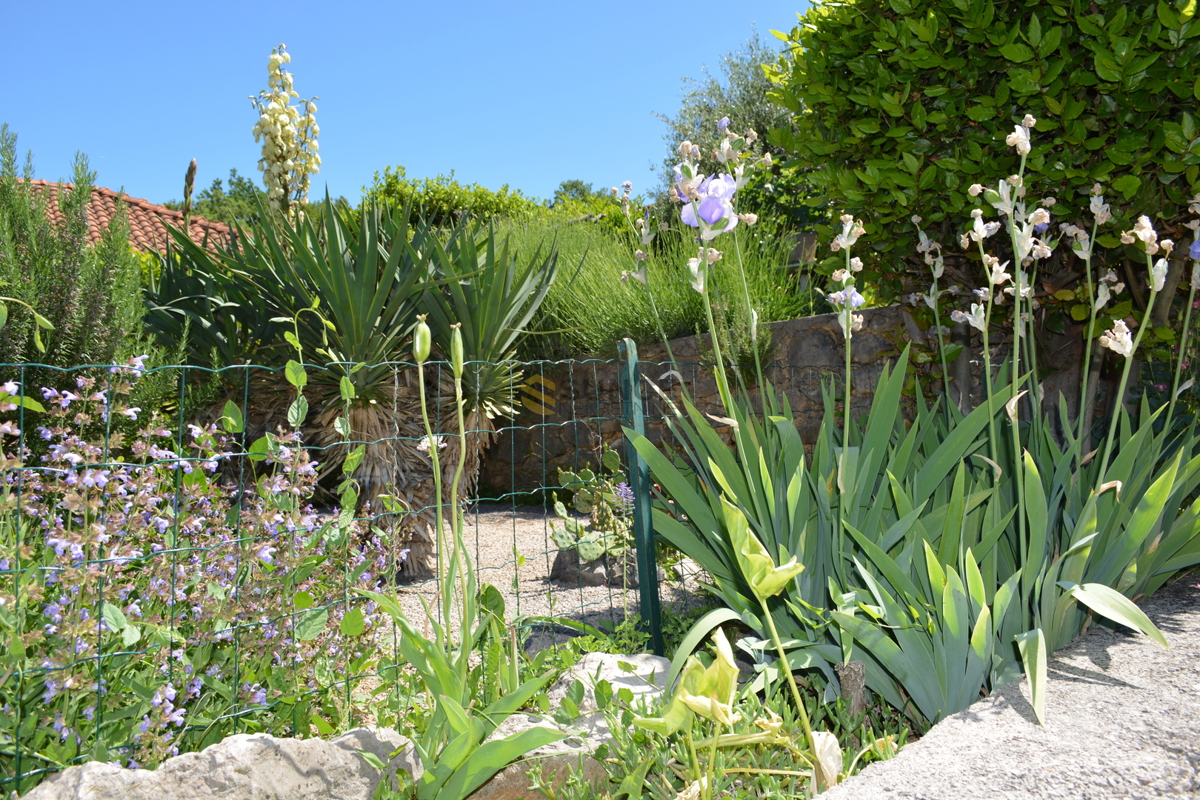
1123	721
510	548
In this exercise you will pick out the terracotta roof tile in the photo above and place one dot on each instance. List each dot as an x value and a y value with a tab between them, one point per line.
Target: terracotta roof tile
147	228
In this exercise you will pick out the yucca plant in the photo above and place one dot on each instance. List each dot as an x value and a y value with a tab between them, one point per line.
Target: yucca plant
486	287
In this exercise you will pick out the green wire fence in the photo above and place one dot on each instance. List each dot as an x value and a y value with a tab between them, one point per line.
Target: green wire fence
168	579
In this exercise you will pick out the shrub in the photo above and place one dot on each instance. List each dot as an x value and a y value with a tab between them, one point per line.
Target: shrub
443	200
156	610
900	106
591	307
90	294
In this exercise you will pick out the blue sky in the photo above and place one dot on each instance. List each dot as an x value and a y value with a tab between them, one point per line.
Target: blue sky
521	93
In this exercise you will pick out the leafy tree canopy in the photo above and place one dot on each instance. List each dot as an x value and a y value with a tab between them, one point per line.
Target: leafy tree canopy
739	92
442	200
239	203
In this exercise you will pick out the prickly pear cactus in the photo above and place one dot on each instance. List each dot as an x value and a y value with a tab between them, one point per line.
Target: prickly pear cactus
590	548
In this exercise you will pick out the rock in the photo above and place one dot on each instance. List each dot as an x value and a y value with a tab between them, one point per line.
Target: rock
251	766
616	571
261	767
647	679
512	782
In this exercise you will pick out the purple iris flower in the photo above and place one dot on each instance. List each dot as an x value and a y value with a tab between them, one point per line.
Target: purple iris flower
716	203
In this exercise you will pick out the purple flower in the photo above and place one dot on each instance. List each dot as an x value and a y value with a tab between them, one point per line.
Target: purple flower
624	495
716	204
10	387
722	124
1194	251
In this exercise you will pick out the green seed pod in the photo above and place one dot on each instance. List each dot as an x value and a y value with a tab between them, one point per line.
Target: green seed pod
421	340
456	351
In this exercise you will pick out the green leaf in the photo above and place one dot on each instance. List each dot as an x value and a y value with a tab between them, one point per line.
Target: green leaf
30	403
1015	51
346	387
258	450
297	412
1112	604
303	601
1032	646
3	314
131	635
113	617
295	374
1034	31
312	624
231	418
492	757
1127	185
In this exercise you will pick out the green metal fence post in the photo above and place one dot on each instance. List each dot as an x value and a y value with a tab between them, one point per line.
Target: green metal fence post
639	482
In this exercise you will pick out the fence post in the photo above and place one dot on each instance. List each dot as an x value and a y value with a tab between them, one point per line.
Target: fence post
639	483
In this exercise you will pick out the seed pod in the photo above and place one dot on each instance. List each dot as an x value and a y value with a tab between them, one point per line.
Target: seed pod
421	340
456	351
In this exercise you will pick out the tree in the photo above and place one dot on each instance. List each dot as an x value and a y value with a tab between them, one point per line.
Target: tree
443	200
239	203
575	191
898	106
740	93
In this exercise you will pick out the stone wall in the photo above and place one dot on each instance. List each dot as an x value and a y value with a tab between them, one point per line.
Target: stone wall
568	410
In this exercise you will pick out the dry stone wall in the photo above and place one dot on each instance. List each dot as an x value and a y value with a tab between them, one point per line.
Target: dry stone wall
568	410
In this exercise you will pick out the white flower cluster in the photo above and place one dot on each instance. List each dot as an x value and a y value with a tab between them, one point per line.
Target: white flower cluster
1118	339
289	137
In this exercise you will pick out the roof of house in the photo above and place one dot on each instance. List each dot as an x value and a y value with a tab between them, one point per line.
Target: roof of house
147	221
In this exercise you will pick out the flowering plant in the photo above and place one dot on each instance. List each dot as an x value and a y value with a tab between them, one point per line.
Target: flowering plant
951	552
289	137
147	609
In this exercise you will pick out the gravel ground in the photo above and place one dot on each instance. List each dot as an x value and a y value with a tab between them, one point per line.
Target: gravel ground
1123	721
510	547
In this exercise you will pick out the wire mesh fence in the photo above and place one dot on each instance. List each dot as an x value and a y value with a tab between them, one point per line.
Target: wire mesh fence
171	577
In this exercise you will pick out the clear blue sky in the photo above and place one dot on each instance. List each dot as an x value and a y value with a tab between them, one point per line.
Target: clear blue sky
524	93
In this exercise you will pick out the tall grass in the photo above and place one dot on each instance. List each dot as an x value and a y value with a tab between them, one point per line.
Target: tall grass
590	309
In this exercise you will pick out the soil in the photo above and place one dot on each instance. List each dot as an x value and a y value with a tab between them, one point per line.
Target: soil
510	548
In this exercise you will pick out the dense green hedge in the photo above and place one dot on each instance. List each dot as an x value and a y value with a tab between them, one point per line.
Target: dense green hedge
900	106
442	199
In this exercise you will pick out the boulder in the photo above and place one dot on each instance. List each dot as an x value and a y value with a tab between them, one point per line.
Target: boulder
261	767
243	767
620	571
